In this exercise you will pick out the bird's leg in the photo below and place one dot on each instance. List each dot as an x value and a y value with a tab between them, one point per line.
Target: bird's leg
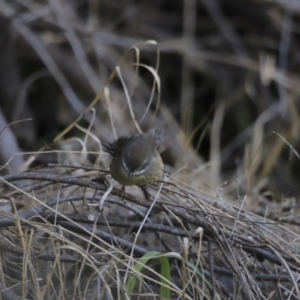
145	191
123	192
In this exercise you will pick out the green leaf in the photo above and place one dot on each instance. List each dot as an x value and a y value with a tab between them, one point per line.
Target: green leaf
133	279
165	291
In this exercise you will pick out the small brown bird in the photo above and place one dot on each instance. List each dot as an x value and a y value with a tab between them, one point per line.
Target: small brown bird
135	159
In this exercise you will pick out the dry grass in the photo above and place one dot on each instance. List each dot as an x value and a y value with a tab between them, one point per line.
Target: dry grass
216	228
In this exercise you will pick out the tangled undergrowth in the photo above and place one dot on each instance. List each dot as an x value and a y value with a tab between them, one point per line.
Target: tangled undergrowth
69	232
221	82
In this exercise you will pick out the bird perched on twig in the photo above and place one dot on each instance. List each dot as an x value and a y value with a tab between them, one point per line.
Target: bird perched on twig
135	160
